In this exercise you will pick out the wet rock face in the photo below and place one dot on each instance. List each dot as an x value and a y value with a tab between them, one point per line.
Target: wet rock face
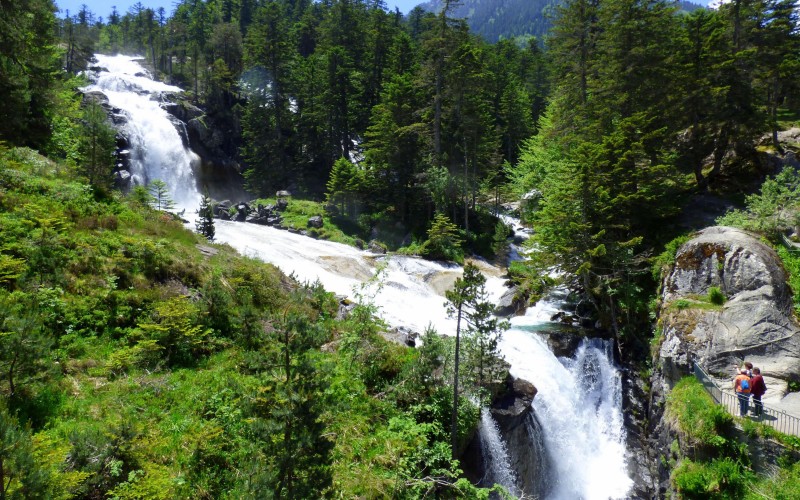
511	406
756	321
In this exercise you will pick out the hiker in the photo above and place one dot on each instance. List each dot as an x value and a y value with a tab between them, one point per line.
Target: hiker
757	389
747	366
741	384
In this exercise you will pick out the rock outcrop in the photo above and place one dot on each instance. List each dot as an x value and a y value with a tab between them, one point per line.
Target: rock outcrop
755	323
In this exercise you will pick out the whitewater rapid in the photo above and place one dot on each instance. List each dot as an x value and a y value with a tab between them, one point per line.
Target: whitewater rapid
579	403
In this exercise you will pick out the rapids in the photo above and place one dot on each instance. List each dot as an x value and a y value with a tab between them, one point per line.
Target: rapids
578	407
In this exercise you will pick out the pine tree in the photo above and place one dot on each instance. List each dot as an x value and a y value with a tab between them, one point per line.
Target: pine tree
294	460
459	300
97	146
159	196
205	220
444	242
21	476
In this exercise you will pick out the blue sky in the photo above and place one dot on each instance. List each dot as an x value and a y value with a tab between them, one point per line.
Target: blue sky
103	7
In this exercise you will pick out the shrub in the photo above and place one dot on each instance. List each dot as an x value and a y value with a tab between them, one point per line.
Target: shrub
715	296
720	478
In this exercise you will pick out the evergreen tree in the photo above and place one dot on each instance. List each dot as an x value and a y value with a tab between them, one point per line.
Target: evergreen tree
294	460
28	70
344	185
21	476
460	300
205	218
160	198
444	242
23	344
267	120
97	146
481	337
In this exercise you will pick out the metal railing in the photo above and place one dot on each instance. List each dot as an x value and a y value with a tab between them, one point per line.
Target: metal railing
778	420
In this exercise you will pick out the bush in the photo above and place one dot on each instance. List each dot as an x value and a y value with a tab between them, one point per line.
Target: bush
715	296
720	478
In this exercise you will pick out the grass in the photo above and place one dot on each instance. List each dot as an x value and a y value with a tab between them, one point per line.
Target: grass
788	118
703	422
695	302
298	212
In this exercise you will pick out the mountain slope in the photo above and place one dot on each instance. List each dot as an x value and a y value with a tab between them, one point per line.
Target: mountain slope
499	19
496	19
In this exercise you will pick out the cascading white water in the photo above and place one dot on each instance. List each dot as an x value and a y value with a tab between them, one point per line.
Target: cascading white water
578	408
495	454
157	150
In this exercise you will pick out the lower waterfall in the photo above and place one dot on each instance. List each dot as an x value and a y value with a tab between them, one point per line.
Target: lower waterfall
495	455
574	439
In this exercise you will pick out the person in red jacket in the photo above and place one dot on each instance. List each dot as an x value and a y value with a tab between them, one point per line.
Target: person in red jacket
741	384
757	389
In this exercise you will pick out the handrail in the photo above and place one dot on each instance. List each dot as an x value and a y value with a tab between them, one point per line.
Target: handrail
777	419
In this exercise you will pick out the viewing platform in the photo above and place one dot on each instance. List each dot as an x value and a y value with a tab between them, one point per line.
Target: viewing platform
778	418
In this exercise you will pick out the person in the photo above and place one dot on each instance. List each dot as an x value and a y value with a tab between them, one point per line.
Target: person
757	389
741	384
747	366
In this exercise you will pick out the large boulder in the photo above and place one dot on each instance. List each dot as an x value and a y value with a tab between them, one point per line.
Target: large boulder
315	221
511	406
756	322
509	303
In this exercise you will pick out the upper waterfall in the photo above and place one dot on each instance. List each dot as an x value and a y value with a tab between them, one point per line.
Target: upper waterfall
157	150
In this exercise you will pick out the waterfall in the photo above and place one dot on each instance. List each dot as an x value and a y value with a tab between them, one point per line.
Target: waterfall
495	455
157	150
575	434
579	411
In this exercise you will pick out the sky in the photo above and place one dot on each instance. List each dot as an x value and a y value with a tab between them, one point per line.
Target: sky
103	7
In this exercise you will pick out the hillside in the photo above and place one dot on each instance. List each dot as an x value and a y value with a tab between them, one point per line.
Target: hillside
503	19
140	361
499	19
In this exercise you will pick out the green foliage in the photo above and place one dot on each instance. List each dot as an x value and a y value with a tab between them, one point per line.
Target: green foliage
532	282
773	210
22	476
719	479
715	296
173	379
666	259
702	421
791	262
205	218
444	242
97	145
159	196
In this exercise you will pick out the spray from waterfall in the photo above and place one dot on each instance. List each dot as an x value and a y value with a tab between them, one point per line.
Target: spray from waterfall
157	150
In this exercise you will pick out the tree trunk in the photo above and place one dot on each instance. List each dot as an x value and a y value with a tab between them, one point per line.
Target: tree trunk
2	480
773	112
719	151
454	415
11	387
